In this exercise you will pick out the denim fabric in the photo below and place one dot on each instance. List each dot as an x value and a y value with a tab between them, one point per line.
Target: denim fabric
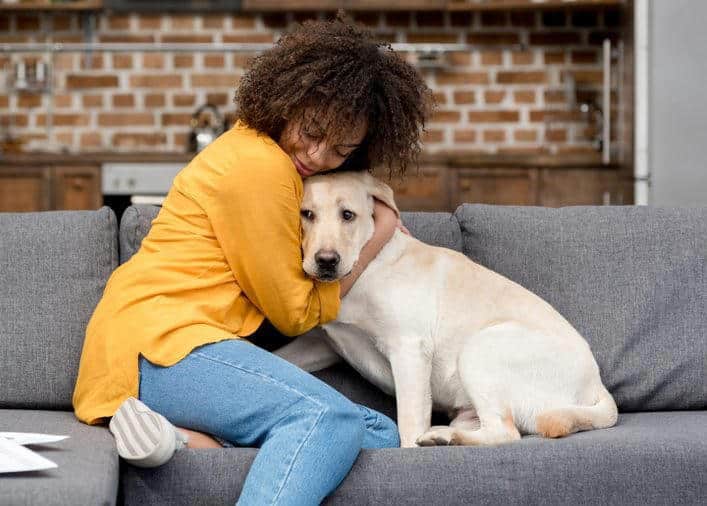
309	434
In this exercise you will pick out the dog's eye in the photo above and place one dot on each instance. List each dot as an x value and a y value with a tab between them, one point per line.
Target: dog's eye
307	214
347	215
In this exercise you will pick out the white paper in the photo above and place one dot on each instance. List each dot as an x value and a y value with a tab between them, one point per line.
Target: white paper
31	438
15	458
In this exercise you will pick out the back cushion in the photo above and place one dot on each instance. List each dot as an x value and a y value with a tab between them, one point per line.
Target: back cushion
53	269
631	280
134	226
438	229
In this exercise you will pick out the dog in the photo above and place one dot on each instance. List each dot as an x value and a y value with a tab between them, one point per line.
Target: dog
439	331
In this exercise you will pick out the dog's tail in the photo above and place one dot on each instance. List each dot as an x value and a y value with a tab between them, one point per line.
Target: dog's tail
563	421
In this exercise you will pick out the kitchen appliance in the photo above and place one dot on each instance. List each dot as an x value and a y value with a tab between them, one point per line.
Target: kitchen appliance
127	183
206	125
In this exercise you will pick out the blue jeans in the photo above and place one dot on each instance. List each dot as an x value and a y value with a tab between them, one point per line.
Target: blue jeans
309	434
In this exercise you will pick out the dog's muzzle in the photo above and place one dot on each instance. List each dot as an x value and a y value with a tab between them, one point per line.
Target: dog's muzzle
327	263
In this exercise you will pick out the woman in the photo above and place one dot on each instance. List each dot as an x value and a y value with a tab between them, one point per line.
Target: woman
224	254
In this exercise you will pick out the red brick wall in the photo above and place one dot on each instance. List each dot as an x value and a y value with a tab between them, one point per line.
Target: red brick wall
494	99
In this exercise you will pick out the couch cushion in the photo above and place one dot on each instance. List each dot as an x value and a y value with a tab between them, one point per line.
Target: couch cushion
87	461
648	458
134	226
631	279
438	229
53	269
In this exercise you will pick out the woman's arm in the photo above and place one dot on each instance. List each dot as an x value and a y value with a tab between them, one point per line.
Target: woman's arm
255	215
386	222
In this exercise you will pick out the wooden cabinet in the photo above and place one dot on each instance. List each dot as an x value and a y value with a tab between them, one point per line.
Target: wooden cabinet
495	186
423	190
440	188
25	189
77	188
436	186
45	188
571	187
349	5
440	5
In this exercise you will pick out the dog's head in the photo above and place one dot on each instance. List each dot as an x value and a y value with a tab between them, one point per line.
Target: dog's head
337	221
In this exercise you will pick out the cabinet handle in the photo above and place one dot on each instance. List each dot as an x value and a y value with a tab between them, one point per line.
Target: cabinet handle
77	184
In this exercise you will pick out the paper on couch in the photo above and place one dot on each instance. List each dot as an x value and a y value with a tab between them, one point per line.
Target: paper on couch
15	458
31	438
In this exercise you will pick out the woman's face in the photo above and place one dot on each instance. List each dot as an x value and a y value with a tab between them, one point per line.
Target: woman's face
310	149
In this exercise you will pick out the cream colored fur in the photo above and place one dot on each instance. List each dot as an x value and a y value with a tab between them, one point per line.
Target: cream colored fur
435	329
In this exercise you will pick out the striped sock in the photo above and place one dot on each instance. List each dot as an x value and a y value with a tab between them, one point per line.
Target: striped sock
144	437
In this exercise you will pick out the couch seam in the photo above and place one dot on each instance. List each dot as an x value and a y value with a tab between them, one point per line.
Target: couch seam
115	251
459	229
112	220
133	243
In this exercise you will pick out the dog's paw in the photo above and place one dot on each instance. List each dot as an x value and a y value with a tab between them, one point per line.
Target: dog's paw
440	435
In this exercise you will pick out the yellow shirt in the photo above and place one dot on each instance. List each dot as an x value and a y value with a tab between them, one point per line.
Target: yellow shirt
223	253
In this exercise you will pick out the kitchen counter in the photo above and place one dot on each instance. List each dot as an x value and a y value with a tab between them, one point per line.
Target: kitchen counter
91	158
452	159
45	181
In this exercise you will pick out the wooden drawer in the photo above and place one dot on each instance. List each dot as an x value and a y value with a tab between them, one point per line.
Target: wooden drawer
572	187
350	5
77	188
25	189
45	188
423	190
495	186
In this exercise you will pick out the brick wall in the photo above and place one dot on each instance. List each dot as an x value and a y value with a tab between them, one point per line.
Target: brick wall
505	97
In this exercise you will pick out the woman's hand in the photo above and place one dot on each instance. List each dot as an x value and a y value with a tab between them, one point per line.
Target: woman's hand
403	228
385	219
380	209
385	222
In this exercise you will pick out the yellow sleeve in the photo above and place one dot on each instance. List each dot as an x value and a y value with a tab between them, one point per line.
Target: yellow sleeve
254	212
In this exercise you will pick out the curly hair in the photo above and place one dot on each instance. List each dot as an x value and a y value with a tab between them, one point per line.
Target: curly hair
339	69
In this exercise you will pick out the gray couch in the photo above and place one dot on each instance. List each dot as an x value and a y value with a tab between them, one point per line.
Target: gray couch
631	279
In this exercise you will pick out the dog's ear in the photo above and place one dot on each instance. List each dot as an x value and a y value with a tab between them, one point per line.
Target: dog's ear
378	189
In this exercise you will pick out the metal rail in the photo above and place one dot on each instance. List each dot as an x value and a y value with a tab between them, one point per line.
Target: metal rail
175	47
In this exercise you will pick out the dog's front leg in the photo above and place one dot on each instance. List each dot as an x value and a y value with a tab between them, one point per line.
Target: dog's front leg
412	368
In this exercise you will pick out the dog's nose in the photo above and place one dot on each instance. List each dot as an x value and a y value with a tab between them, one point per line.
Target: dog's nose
327	259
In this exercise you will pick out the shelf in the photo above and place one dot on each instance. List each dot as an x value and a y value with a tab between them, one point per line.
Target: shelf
348	5
47	6
496	5
454	159
418	5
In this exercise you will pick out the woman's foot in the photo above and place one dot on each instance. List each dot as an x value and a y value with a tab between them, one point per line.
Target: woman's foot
144	438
